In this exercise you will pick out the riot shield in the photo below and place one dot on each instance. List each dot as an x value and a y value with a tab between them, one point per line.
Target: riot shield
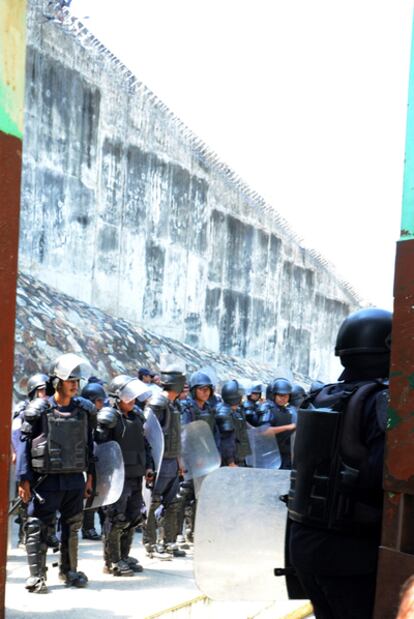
240	534
265	450
110	474
155	436
199	451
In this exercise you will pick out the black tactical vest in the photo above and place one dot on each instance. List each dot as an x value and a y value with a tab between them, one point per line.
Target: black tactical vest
172	432
266	411
242	440
63	445
206	414
330	459
129	434
282	416
252	412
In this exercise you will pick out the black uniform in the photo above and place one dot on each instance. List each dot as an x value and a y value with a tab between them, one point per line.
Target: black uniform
335	499
252	412
122	517
234	441
334	546
276	416
164	501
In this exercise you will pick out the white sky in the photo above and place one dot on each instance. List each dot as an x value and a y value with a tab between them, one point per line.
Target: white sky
304	99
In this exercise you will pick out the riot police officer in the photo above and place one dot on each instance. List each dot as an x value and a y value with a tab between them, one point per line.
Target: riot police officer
95	393
251	405
194	408
36	388
297	396
124	423
231	422
55	451
164	507
335	500
281	417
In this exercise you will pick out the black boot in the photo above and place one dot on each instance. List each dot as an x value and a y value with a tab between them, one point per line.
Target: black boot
69	553
36	555
125	544
112	550
51	538
88	526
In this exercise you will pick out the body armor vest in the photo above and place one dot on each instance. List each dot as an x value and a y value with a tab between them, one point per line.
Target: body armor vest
331	460
168	415
172	432
242	440
129	434
266	411
252	412
62	447
282	416
194	413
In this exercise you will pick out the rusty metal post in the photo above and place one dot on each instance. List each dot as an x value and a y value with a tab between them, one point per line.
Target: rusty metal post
396	559
12	69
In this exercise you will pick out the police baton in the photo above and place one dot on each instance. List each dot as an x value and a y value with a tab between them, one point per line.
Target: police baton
18	502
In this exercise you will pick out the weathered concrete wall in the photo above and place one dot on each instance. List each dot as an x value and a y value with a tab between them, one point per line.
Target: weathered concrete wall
122	209
49	323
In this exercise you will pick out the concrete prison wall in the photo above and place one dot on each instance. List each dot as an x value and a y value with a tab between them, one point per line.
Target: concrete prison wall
124	209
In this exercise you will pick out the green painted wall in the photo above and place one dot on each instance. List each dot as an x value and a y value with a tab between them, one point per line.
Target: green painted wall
12	65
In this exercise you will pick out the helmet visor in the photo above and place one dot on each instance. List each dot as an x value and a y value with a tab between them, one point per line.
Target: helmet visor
72	367
135	389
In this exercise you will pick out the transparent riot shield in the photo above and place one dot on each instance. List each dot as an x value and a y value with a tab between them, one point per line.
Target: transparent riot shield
199	451
240	534
265	451
155	436
110	474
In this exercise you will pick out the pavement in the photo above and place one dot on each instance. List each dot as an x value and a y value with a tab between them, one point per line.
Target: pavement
164	589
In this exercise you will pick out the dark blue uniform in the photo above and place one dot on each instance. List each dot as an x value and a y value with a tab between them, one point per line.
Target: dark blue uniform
61	492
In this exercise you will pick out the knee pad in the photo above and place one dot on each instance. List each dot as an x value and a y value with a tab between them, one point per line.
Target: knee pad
34	528
75	522
119	521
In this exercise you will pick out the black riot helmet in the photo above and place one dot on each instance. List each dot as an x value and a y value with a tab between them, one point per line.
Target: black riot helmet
363	344
281	386
172	372
93	392
35	382
254	388
199	379
367	331
298	395
232	392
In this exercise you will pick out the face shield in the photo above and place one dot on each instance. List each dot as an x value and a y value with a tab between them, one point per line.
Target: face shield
71	367
135	389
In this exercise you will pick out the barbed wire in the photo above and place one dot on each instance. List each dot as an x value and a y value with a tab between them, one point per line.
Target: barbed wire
58	11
